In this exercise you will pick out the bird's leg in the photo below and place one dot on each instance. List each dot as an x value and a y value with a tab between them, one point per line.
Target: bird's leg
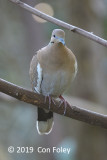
53	100
50	100
63	101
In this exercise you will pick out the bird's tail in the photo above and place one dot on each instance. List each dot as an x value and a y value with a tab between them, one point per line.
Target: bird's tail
45	121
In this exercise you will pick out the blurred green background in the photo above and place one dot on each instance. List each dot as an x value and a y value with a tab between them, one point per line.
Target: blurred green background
20	37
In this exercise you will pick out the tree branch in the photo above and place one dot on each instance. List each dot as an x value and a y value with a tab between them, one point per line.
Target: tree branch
74	112
60	23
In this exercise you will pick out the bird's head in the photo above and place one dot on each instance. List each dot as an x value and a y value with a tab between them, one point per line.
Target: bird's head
58	36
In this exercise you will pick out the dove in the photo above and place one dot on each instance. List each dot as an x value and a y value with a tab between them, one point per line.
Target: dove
52	70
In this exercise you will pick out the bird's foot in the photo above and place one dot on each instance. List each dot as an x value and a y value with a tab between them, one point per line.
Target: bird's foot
62	100
50	100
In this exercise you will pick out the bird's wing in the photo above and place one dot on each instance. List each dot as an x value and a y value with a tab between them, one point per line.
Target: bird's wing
35	73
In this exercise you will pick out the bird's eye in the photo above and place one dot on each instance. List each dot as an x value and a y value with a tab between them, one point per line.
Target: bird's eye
54	35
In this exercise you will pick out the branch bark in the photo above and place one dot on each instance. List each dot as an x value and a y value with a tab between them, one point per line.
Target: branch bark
74	112
60	23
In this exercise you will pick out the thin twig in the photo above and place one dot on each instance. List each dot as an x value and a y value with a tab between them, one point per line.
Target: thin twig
60	23
74	112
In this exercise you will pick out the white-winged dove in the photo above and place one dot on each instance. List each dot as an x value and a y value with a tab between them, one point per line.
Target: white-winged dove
52	70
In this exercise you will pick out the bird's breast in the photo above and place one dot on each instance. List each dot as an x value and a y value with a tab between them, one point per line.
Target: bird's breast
55	83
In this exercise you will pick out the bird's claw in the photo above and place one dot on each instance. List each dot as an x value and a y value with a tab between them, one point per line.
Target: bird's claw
62	100
50	100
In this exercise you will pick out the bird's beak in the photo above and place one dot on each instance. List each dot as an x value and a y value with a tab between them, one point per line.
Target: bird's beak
61	40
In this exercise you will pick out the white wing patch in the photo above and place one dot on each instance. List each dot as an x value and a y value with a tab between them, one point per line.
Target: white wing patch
76	69
39	79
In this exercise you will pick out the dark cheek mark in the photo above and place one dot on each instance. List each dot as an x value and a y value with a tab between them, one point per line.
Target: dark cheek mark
52	42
